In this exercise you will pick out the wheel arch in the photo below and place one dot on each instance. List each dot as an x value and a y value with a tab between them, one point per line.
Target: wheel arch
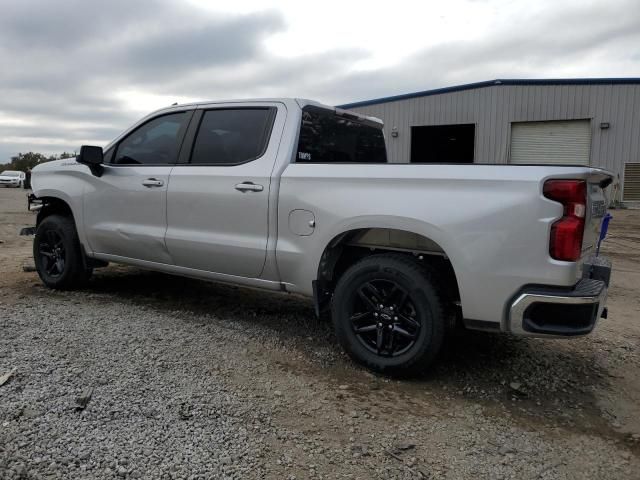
58	203
54	205
349	246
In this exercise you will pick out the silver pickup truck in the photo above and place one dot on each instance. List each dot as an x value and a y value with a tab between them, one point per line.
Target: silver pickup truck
295	196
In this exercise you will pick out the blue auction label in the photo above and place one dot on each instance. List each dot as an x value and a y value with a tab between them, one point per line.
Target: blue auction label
604	228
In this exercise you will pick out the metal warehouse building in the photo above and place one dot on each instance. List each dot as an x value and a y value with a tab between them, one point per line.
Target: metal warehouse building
569	121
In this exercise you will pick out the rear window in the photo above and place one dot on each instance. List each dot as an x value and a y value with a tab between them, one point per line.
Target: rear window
328	138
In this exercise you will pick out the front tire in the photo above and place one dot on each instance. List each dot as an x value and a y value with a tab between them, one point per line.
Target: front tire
388	314
57	254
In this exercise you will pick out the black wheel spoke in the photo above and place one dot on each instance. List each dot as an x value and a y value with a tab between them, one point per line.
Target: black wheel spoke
366	328
390	344
51	268
368	302
388	298
397	297
377	294
403	301
380	340
403	332
385	293
356	317
408	321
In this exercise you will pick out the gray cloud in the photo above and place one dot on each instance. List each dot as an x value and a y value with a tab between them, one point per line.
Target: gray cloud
216	42
65	63
537	47
68	24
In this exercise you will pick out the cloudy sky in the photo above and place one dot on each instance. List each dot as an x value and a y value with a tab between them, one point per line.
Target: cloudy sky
80	71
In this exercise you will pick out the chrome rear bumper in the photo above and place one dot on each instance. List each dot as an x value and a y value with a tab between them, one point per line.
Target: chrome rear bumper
558	312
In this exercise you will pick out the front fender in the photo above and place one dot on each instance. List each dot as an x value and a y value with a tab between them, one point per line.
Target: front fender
64	183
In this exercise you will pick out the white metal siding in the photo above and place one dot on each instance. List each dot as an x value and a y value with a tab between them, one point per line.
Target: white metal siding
493	109
559	142
632	182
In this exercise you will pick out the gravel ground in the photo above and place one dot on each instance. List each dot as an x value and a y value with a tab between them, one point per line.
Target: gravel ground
145	375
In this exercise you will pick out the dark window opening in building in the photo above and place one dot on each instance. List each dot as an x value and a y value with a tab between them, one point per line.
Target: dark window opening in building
443	143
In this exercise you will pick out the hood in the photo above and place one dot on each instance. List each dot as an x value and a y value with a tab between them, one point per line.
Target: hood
41	172
54	165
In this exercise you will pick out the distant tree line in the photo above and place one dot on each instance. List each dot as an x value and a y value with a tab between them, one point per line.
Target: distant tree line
25	161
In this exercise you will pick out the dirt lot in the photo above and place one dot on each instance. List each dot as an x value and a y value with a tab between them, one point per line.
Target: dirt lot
197	380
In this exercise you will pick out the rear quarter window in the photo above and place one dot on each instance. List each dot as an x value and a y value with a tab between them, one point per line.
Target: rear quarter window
328	138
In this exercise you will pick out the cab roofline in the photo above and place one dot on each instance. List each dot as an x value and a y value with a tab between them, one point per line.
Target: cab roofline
301	102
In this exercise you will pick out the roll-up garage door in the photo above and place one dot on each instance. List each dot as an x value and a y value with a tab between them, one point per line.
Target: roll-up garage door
631	182
558	142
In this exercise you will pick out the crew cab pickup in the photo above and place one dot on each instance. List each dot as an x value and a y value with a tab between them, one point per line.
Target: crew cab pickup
295	196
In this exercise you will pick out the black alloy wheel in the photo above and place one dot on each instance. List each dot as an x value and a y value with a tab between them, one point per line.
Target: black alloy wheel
384	318
52	253
57	254
388	313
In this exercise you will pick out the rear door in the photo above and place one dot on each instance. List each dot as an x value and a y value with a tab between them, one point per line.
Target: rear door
126	210
218	199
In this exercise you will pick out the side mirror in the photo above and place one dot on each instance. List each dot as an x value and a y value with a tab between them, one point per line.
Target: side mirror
93	158
90	155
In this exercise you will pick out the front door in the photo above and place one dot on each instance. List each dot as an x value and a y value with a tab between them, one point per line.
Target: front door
218	202
125	210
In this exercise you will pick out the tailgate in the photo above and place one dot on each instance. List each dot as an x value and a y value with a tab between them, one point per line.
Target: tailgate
597	202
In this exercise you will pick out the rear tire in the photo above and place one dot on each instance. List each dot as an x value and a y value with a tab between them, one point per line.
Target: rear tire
388	314
57	254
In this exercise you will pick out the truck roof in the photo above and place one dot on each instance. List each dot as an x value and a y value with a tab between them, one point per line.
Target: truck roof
301	102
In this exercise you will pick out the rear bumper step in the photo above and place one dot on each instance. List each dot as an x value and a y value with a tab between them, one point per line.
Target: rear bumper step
557	311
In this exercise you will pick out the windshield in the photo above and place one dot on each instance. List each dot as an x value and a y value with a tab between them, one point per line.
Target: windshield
10	173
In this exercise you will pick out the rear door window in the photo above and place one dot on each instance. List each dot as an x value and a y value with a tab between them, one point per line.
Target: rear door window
329	138
232	136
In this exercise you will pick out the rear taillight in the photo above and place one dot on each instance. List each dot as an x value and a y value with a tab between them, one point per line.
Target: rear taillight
566	234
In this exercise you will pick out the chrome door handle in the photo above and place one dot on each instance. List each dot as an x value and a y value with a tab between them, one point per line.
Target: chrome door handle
249	187
152	182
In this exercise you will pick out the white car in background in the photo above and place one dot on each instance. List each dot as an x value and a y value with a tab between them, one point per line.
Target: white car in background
12	178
